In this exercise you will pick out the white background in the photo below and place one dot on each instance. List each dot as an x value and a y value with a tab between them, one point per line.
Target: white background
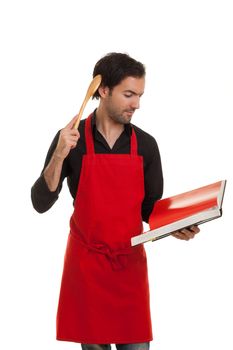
48	50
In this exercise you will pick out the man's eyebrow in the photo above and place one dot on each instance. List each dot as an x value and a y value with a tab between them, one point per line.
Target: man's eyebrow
133	92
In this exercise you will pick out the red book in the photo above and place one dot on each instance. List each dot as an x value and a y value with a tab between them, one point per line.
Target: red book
183	210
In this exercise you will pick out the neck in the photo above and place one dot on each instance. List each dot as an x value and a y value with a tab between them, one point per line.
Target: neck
110	129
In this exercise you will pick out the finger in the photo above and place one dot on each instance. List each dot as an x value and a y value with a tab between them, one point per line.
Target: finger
185	231
67	133
176	235
71	123
180	235
188	233
194	229
74	140
73	134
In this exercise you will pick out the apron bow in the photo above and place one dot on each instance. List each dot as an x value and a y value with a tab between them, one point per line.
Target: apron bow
117	257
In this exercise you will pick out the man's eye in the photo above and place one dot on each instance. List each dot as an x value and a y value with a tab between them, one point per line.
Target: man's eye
128	95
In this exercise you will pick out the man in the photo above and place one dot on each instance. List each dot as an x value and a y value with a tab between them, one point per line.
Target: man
114	174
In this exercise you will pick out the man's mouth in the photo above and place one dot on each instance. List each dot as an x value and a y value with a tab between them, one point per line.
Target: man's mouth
130	112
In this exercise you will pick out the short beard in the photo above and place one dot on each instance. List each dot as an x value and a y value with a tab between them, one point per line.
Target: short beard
120	119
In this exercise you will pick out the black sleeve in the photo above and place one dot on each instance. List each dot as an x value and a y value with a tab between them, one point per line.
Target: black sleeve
153	178
42	198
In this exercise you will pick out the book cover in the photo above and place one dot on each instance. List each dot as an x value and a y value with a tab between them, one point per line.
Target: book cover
183	210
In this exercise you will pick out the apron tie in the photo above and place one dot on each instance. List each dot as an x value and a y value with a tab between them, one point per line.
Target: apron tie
117	257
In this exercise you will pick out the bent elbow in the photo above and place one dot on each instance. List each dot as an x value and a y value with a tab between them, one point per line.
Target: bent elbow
41	204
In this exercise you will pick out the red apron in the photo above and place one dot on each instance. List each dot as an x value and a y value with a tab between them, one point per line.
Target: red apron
104	296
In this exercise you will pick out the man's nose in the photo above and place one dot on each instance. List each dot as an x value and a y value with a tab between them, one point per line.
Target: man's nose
136	102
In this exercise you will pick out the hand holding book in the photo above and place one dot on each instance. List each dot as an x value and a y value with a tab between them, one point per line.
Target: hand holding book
181	214
186	233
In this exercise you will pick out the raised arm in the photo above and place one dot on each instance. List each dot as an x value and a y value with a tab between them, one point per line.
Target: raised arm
45	190
68	139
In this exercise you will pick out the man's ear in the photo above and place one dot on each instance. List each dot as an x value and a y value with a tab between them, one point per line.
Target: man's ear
103	91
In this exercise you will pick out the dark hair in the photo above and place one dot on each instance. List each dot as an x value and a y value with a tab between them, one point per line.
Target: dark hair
114	67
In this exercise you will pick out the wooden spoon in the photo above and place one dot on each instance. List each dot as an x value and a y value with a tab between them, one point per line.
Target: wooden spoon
95	83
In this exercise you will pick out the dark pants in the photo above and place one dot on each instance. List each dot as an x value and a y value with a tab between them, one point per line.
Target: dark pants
138	346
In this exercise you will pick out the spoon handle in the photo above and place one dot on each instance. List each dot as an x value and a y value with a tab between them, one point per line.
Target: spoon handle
95	83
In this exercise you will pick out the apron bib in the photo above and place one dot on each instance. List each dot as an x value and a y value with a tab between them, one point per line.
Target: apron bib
104	296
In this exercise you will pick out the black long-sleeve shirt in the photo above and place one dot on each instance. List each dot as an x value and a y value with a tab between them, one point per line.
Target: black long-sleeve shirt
43	198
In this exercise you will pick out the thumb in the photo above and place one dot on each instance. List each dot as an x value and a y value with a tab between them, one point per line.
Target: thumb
71	123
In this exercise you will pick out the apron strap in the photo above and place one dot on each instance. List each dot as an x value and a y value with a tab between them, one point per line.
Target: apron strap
90	144
134	144
88	136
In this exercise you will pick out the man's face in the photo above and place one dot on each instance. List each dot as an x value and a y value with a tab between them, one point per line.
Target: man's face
122	101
